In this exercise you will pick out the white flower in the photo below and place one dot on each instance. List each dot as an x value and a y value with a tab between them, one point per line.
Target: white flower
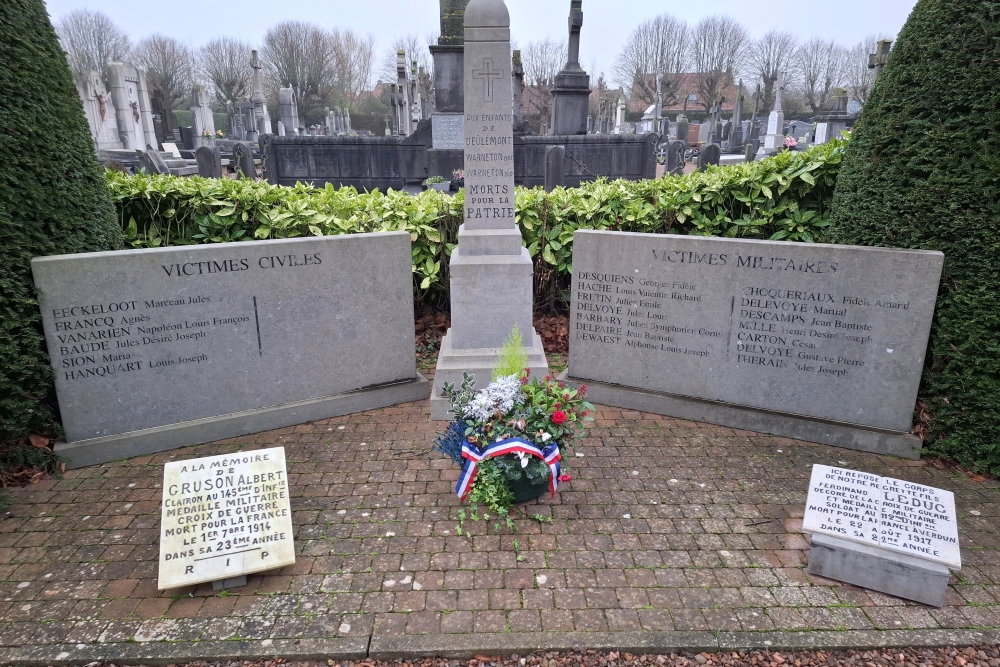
546	437
496	400
525	458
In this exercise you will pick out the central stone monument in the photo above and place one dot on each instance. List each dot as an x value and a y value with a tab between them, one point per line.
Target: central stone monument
491	272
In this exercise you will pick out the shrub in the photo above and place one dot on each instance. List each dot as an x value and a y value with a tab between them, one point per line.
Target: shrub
52	200
785	197
923	171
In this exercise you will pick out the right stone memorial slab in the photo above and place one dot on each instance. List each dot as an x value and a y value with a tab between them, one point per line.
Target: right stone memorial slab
890	535
819	342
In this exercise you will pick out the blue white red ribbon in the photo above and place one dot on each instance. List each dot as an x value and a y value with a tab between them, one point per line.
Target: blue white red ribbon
473	455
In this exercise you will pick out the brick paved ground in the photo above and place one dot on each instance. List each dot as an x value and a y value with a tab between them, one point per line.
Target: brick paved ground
666	526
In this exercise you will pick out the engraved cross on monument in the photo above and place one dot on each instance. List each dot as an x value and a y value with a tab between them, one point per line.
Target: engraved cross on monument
491	272
487	74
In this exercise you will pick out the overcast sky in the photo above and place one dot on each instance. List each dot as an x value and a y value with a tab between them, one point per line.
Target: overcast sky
606	24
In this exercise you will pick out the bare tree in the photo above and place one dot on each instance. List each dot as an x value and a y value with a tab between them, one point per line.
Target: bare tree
415	48
92	40
169	67
354	62
857	75
819	67
768	56
718	44
541	60
302	56
657	45
225	64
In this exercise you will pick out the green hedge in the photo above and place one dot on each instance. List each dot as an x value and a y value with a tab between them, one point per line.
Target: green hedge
923	171
52	201
785	197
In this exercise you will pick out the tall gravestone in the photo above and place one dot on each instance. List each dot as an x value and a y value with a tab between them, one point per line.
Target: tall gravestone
491	272
571	95
447	122
259	99
100	111
775	137
127	86
202	117
288	110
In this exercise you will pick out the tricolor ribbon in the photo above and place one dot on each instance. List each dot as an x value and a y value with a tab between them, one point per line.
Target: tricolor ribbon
473	455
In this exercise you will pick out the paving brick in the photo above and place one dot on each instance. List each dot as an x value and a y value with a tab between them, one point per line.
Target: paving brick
712	542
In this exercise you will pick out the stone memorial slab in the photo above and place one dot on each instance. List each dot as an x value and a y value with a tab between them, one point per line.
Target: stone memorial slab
887	534
161	348
818	342
888	513
224	517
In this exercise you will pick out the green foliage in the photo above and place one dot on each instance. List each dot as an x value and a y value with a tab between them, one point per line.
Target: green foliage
785	197
923	171
52	201
491	489
513	358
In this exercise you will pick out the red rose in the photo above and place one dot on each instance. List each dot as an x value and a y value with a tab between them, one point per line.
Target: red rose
559	417
565	478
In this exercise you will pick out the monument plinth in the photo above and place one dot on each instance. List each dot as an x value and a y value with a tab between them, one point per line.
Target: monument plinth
491	272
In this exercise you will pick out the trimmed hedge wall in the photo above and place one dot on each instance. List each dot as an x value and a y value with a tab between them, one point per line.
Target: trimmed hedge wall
923	171
785	197
52	201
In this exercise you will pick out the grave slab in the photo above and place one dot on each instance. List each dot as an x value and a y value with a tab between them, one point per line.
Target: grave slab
819	342
224	517
156	349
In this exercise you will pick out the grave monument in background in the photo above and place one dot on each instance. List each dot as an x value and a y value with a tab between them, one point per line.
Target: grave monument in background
571	95
491	272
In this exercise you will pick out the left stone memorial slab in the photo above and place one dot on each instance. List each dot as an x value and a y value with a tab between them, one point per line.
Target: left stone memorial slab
163	348
224	517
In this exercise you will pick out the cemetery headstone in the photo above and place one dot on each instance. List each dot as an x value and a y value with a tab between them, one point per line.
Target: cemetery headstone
489	252
171	148
153	162
709	155
571	93
890	535
822	130
225	339
100	111
775	137
209	160
243	157
202	117
127	85
554	167
819	342
224	517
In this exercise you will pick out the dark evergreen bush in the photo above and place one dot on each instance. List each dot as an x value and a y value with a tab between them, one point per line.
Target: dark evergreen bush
53	200
922	170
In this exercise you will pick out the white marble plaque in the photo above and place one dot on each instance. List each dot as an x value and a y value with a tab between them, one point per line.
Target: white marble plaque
881	511
224	516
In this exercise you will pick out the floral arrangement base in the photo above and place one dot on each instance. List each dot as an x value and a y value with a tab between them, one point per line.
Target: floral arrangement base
524	490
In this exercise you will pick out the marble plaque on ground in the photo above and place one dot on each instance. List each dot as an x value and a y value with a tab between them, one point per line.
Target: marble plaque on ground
893	514
224	516
831	332
141	339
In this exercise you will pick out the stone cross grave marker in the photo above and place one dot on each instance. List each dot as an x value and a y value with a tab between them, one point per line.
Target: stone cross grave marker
224	517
